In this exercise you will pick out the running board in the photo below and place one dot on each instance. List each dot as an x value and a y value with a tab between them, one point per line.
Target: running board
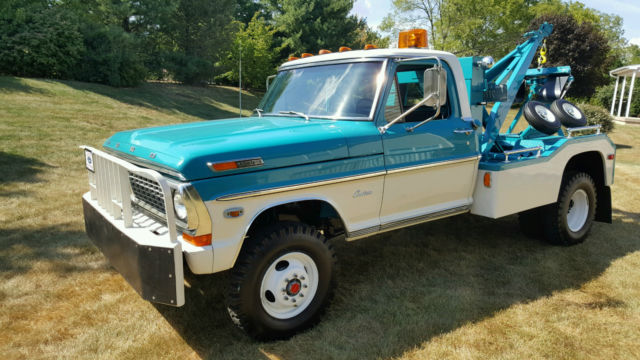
374	230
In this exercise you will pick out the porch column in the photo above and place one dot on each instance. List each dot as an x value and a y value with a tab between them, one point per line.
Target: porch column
633	81
615	93
624	83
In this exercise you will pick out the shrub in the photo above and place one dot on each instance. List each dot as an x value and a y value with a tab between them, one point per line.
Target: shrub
597	115
188	69
111	57
39	42
604	94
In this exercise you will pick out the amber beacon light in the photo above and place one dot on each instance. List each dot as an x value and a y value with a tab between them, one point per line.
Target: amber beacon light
414	38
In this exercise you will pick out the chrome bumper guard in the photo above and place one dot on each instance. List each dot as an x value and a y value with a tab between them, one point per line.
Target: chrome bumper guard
153	266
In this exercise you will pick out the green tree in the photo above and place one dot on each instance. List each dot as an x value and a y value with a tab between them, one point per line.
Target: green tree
38	39
111	57
487	27
632	55
255	41
480	27
609	25
246	9
366	35
581	46
311	25
407	14
197	35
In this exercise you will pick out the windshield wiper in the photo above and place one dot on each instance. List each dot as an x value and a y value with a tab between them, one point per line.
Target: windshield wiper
259	111
291	112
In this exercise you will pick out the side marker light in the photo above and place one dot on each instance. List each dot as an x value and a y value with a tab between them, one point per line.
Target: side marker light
487	179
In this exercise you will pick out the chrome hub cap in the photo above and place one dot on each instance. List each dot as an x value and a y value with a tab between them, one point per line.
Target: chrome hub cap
571	110
578	210
545	114
289	285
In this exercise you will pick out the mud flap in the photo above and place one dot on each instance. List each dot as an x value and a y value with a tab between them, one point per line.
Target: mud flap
155	272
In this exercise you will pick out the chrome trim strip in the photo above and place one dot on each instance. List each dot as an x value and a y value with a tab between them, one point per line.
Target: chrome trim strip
145	163
298	187
250	163
366	232
342	179
439	163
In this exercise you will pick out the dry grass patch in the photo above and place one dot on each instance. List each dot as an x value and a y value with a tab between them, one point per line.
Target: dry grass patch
464	287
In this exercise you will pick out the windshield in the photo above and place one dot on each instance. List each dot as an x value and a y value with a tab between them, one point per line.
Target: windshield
335	91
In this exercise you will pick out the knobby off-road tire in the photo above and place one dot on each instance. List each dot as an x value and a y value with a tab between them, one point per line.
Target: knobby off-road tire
282	281
541	118
568	221
568	114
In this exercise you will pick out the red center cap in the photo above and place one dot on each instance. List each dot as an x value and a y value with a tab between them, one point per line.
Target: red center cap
294	287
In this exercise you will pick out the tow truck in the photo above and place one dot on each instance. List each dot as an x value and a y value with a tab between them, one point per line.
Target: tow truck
345	144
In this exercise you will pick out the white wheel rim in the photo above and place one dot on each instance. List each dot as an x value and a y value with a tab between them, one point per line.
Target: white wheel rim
578	210
545	114
289	285
571	110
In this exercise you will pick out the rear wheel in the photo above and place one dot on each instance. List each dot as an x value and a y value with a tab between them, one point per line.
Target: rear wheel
282	281
568	221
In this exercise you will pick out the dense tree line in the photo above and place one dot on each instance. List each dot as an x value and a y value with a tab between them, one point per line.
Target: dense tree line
124	42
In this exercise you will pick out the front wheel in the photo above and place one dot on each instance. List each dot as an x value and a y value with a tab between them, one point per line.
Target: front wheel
282	281
568	221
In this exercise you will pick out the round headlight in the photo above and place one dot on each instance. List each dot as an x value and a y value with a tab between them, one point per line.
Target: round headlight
179	207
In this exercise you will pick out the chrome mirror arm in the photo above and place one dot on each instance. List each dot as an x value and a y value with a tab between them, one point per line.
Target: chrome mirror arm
383	129
425	121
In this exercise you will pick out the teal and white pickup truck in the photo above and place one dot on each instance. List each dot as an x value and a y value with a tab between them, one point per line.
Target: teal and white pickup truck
346	144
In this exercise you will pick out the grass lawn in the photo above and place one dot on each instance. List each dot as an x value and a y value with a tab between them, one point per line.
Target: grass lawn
463	287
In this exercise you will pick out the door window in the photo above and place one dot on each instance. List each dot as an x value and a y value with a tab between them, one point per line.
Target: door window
407	90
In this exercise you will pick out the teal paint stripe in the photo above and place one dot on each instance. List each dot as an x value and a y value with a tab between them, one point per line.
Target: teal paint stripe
546	156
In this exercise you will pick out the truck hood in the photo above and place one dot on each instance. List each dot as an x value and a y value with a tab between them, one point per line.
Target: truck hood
187	148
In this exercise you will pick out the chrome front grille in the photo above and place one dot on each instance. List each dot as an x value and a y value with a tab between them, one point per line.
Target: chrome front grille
123	190
147	192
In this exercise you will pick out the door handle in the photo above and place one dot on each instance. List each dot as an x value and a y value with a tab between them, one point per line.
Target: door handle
463	131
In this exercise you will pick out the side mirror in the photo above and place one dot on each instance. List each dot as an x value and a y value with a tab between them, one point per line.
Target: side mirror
435	87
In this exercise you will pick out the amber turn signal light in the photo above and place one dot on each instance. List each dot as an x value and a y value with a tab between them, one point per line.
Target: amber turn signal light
225	166
200	240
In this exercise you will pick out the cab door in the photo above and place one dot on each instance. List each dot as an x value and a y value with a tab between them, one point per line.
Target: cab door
431	169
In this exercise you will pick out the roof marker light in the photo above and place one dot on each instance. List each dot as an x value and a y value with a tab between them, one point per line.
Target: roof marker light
344	48
370	46
324	51
306	55
414	38
291	58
